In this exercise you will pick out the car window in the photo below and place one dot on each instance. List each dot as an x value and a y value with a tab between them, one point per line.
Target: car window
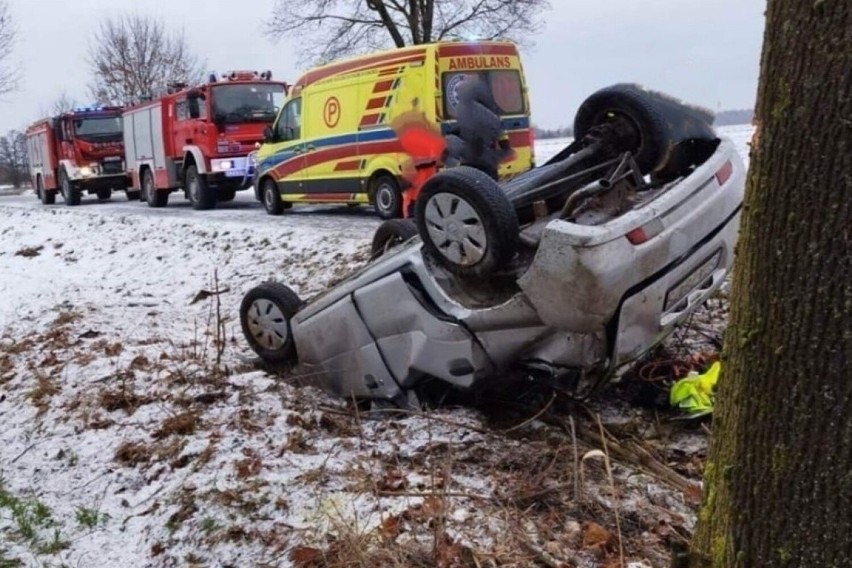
290	123
505	86
181	110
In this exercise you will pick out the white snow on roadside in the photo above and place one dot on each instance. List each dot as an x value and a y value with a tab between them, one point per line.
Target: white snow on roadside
101	346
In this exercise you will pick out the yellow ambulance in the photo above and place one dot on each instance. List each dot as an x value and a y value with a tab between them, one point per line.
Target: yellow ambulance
332	141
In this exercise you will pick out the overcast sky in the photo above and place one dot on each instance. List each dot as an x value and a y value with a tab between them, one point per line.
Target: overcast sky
704	51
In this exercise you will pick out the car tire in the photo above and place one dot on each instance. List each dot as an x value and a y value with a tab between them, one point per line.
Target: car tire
466	222
662	126
132	195
392	233
265	314
154	197
104	194
227	194
271	197
47	197
386	197
201	195
70	194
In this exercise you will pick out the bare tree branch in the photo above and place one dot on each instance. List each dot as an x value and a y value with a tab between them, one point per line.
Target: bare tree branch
134	56
14	162
9	74
63	103
329	29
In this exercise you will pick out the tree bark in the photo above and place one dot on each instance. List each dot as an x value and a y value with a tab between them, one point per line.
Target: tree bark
779	475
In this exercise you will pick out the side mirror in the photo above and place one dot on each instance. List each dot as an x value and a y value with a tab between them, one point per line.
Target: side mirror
268	134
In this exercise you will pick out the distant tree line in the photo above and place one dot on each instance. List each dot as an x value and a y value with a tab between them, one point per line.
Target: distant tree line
723	118
14	164
729	117
561	132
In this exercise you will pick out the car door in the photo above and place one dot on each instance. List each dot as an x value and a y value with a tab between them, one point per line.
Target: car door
284	157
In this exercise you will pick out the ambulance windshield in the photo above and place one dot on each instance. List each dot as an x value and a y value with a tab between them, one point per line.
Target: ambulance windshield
100	128
247	102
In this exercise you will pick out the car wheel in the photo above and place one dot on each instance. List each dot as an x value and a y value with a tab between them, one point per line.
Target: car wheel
466	222
47	197
271	197
104	194
201	196
657	129
392	233
132	195
227	194
265	314
387	198
70	194
149	191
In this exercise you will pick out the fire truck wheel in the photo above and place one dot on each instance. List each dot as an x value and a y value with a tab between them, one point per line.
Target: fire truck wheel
132	195
466	222
265	314
227	194
70	193
149	191
199	192
47	197
104	194
271	197
387	199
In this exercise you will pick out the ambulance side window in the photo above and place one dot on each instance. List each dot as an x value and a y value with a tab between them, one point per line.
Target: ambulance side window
290	124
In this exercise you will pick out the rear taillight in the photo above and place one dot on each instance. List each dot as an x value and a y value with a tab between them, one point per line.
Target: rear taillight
644	233
724	173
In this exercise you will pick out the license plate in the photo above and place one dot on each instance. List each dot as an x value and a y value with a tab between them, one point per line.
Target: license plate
682	289
235	173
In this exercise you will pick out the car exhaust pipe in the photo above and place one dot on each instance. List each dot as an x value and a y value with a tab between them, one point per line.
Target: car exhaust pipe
595	188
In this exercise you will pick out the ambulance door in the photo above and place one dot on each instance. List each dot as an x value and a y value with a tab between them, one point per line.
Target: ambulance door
331	149
288	158
397	93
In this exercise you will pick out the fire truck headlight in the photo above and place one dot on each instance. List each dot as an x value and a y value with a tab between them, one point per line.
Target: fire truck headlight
85	171
223	165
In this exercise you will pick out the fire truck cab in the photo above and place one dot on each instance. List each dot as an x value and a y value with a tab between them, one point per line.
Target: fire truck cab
200	139
76	152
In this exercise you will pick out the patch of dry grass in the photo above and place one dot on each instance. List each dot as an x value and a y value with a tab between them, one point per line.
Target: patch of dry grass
40	395
183	424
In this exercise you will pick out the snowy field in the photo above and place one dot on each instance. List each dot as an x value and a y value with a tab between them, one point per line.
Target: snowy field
134	434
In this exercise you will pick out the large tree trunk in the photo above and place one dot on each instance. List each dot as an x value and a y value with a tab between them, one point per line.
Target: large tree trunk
779	475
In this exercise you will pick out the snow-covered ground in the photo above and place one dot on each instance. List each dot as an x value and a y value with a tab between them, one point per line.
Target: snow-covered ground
134	435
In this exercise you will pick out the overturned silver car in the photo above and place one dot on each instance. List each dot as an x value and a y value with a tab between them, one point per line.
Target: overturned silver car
566	272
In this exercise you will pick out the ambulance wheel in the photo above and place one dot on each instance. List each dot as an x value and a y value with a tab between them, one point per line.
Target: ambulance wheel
265	314
132	195
392	233
47	197
271	197
200	194
104	194
227	194
466	222
70	194
149	191
386	196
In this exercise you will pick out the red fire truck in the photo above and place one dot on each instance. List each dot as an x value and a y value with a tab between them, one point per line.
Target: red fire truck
200	139
78	151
